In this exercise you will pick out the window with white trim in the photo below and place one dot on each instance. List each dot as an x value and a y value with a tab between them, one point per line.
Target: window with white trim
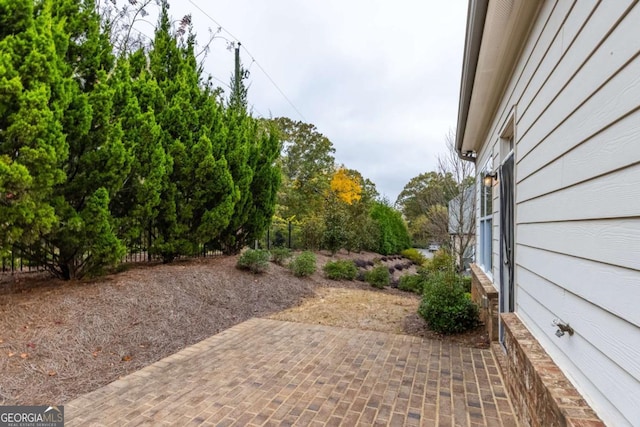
485	242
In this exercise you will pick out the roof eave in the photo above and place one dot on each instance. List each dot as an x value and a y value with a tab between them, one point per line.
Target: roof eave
497	31
476	14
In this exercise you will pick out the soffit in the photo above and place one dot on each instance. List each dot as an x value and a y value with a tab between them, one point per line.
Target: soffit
507	25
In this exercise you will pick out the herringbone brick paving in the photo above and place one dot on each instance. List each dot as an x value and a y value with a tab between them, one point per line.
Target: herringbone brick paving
271	373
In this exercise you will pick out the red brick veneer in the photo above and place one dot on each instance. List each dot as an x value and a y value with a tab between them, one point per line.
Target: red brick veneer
541	393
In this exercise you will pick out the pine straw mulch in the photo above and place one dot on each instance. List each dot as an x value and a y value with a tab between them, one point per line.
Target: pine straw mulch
59	340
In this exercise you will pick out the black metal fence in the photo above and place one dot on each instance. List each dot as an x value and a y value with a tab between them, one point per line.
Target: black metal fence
279	234
17	261
282	235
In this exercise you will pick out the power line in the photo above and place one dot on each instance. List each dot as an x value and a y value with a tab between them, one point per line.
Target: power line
252	59
274	84
213	20
212	76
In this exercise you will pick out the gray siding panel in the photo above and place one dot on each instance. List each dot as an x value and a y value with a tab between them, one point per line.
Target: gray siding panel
576	94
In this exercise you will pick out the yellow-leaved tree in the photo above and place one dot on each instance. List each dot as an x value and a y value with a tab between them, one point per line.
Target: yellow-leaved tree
346	187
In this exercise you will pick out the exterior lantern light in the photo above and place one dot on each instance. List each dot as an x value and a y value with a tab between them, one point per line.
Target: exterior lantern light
490	178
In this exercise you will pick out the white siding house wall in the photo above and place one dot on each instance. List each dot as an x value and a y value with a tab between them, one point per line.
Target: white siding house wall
575	96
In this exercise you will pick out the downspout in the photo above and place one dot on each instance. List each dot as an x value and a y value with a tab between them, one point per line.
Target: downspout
476	15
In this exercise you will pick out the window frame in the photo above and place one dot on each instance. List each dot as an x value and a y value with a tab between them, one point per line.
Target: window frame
485	223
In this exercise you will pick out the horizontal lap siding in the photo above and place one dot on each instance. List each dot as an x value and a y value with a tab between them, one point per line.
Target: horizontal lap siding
576	92
587	279
615	387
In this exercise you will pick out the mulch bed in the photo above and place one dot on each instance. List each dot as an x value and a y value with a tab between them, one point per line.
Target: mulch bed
59	340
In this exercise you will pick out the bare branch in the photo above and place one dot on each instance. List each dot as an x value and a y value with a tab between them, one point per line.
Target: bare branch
462	207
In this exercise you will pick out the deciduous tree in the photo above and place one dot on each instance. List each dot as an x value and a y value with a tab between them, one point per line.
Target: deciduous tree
307	165
461	214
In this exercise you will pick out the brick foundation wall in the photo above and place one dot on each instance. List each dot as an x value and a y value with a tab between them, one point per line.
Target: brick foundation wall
486	296
541	394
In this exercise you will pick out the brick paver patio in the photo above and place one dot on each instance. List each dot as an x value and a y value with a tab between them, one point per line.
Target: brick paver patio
268	372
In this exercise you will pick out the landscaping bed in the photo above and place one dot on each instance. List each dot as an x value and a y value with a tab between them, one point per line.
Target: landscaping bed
59	340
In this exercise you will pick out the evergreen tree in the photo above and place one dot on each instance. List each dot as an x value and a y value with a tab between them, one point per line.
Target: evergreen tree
240	149
32	100
252	149
265	183
198	193
98	161
259	188
169	232
393	236
136	204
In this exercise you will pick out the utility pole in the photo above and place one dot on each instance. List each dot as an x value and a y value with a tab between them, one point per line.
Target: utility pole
237	77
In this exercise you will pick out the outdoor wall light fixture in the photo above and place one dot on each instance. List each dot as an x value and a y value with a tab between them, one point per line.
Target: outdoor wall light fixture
490	178
562	328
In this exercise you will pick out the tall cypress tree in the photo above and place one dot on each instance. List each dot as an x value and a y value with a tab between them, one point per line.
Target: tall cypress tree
98	161
265	183
164	62
32	100
252	149
135	205
237	145
198	194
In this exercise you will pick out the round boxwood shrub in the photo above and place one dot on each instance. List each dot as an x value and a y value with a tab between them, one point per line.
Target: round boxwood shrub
446	306
254	260
378	277
304	264
340	270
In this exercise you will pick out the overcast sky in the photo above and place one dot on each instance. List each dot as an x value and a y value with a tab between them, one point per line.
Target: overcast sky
379	78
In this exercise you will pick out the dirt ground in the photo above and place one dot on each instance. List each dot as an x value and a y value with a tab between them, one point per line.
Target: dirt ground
59	340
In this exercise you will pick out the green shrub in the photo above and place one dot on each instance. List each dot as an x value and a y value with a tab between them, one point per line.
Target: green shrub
340	270
280	255
442	261
411	283
392	232
254	260
446	306
466	283
414	255
378	277
304	264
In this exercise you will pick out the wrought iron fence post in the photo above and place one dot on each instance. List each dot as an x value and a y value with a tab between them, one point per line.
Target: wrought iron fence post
149	246
269	238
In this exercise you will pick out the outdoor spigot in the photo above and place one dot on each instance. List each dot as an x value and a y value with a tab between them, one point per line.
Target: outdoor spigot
562	328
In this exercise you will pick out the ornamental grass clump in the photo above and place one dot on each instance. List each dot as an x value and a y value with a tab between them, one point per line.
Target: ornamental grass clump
446	306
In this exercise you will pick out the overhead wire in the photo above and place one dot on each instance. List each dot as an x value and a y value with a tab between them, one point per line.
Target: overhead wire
271	80
151	40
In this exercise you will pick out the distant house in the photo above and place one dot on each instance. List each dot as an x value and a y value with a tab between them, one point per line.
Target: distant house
550	114
462	228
